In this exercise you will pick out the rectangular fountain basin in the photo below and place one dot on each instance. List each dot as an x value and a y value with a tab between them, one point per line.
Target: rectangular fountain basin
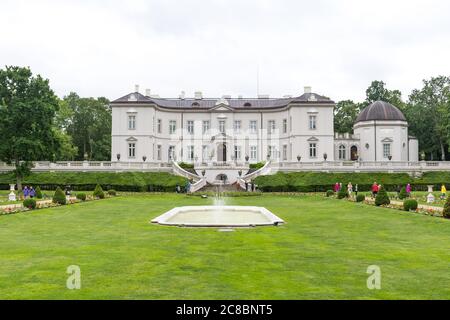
218	216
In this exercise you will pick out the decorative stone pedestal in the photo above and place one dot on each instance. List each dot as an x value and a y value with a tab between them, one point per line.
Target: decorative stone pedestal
12	194
430	196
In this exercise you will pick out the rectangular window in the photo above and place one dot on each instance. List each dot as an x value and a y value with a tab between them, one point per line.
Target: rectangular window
222	126
271	127
237	152
205	155
171	154
190	150
313	150
205	126
237	126
285	152
158	152
271	152
132	150
131	122
190	127
312	122
253	152
172	126
253	126
159	125
386	150
284	125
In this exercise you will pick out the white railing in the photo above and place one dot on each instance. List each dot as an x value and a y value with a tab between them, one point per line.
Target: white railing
198	185
176	169
94	166
362	166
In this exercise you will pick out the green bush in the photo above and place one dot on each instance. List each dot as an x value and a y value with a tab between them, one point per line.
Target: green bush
98	192
382	198
410	204
446	211
257	165
112	192
81	196
38	193
360	197
403	195
29	203
342	194
330	193
186	166
59	196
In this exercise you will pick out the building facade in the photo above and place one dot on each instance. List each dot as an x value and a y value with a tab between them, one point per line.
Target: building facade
289	129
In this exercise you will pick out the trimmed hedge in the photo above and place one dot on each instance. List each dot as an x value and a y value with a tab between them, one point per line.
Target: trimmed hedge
38	193
81	196
403	195
112	192
410	204
330	193
322	181
382	198
342	194
257	165
360	198
59	196
446	211
86	181
98	192
29	203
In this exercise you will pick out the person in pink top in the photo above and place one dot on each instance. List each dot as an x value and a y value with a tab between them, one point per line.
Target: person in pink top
336	187
408	189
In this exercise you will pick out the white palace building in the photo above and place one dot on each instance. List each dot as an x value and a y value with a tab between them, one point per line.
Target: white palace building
217	131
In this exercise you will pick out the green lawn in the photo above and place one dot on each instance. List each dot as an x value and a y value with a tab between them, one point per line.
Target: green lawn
321	253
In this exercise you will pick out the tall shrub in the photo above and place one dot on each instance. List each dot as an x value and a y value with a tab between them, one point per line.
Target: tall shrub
38	193
446	211
59	196
343	193
382	197
403	194
98	192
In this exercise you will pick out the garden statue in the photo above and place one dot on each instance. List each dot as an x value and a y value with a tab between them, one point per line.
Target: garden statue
430	196
12	194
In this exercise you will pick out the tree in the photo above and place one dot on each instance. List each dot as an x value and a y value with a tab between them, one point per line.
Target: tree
27	112
89	125
377	91
345	114
428	113
382	198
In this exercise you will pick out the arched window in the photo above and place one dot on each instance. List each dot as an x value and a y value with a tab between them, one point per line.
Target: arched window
195	104
247	104
341	152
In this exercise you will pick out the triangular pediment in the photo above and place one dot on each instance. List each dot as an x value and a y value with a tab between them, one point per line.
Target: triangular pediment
387	140
313	139
132	139
221	107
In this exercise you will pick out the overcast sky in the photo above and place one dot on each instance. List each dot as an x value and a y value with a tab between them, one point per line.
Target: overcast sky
103	48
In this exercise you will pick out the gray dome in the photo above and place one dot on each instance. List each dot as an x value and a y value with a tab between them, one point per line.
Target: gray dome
380	110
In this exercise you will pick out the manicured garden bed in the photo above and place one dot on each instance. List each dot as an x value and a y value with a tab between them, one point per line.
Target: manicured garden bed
322	252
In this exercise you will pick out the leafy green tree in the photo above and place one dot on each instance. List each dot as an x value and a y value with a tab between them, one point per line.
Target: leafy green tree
345	114
27	112
382	198
89	126
428	114
377	91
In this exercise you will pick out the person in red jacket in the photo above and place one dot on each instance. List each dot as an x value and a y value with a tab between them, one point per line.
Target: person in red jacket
375	189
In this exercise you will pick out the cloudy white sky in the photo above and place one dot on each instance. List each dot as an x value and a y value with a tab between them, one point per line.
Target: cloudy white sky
104	48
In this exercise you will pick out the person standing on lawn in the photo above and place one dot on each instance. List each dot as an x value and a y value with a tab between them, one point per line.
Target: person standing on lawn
26	192
374	190
408	190
32	192
443	191
356	190
336	187
349	189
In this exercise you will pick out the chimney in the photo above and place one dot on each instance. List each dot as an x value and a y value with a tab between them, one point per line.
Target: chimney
148	92
307	89
182	95
198	95
136	88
